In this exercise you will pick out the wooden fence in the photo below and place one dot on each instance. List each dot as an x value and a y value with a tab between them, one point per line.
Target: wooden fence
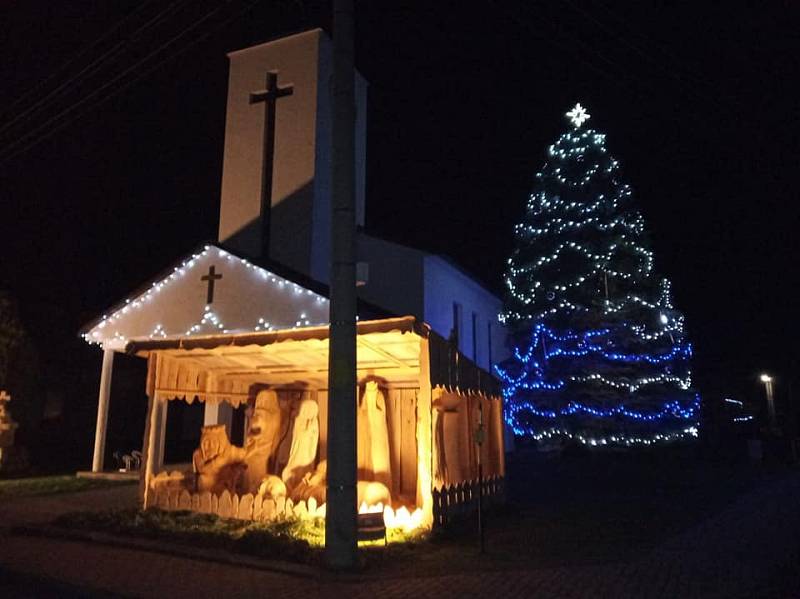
454	501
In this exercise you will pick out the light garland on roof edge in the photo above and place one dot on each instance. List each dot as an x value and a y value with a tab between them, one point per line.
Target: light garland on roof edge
209	317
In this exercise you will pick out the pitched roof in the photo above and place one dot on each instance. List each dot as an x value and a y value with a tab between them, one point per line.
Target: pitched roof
247	297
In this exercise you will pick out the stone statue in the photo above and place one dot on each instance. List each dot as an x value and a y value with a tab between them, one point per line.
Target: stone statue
218	464
305	438
262	439
373	437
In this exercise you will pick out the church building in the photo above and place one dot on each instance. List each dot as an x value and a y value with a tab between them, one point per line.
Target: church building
241	326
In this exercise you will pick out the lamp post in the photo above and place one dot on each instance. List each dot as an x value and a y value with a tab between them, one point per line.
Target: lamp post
767	380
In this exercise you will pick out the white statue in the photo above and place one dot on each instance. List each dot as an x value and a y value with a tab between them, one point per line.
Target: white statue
305	437
373	437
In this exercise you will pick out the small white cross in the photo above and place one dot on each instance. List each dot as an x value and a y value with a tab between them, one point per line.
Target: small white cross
578	115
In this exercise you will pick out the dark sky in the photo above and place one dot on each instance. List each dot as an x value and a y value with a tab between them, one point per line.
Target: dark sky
697	100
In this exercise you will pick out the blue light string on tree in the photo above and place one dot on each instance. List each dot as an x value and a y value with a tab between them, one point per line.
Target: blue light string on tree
670	409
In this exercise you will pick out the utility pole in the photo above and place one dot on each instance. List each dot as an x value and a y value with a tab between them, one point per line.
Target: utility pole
341	545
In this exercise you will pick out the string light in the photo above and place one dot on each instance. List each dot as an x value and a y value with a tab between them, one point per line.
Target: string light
604	340
690	432
312	308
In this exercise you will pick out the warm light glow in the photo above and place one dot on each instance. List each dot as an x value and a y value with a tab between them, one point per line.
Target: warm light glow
402	519
765	378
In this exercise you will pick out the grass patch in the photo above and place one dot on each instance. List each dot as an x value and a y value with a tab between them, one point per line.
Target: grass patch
299	541
52	485
293	541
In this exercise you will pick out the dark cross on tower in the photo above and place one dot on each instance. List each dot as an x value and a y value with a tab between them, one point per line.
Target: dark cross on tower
270	97
211	277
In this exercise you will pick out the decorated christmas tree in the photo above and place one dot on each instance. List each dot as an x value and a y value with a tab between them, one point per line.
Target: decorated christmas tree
599	352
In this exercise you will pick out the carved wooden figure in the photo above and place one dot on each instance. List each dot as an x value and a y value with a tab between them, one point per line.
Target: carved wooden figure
262	440
373	437
218	464
305	438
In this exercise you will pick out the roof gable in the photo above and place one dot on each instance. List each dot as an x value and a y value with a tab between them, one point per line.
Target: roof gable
246	298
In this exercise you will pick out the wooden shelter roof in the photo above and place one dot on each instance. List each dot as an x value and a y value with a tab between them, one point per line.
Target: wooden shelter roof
387	348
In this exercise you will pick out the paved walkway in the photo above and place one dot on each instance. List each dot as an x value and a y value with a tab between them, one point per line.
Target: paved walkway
741	552
38	510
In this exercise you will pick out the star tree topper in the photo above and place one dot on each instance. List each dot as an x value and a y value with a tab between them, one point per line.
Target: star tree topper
578	115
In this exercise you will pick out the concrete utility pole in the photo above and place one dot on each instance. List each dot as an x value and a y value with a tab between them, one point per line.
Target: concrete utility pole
341	545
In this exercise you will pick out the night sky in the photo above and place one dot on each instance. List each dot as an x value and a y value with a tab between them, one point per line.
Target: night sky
697	102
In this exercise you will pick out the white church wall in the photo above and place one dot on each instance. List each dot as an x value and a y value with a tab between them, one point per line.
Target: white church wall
395	276
409	282
452	298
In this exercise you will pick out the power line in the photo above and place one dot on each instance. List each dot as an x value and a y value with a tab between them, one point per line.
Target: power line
589	53
77	56
584	59
21	146
659	63
94	66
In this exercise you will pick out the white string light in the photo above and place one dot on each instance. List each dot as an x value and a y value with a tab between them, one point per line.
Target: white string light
582	257
110	325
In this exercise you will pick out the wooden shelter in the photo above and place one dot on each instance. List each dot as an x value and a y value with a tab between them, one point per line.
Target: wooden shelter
226	332
433	403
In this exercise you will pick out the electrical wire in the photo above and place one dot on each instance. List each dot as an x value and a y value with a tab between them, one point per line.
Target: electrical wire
21	146
105	58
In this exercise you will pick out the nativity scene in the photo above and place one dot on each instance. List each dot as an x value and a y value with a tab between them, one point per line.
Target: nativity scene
240	328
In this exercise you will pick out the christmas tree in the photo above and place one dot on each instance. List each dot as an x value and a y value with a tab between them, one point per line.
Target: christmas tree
599	353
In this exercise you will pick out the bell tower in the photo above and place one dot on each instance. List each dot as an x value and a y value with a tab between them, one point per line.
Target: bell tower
299	204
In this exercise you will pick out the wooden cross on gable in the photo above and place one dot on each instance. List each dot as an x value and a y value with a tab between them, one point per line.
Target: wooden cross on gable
269	97
211	278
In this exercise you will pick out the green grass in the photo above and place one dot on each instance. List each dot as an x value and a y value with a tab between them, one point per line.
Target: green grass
299	541
52	485
290	541
295	541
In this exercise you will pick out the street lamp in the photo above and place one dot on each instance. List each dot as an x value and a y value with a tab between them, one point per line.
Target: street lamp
767	380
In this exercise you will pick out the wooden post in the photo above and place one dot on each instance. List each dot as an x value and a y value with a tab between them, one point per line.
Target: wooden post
149	442
161	434
104	396
425	434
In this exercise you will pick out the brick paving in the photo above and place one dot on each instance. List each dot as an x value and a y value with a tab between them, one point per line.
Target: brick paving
740	552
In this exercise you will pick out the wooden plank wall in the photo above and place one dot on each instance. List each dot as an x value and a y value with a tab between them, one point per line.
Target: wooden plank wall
401	419
322	402
466	410
401	408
